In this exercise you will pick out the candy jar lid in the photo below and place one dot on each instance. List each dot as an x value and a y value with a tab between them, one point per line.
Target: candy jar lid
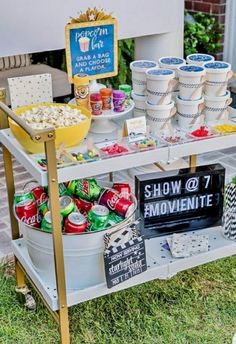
106	91
95	97
118	94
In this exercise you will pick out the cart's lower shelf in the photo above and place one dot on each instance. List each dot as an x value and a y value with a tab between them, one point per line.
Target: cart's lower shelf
161	265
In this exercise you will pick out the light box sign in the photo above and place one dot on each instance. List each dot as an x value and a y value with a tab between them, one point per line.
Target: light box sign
91	48
180	200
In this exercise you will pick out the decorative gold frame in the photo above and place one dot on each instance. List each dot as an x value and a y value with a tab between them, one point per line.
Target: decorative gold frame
91	24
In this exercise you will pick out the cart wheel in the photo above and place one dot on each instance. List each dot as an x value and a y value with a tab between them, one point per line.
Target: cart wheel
30	302
26	298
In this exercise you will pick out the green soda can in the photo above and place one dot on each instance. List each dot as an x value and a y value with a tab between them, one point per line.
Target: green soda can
22	196
43	207
87	189
114	219
127	89
98	217
46	224
67	205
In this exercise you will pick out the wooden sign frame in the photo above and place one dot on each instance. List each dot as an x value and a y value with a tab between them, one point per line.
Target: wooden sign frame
100	23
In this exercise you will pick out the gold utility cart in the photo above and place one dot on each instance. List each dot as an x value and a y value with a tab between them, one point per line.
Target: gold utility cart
160	265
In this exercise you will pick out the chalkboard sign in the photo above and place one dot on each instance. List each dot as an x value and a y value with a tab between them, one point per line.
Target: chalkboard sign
91	48
124	260
180	200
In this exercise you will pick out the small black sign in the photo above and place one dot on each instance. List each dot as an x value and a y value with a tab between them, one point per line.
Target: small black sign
125	260
180	200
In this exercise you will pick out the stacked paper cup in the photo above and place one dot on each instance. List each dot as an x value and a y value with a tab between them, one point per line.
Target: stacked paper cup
190	100
217	98
160	107
139	83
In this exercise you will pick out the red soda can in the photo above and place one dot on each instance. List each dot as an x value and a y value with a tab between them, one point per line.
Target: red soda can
75	223
38	192
114	202
82	205
28	213
123	189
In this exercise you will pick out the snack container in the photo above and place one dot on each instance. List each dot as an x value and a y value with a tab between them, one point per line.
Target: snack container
188	112
127	89
139	105
191	82
216	108
217	75
96	103
158	116
106	94
159	86
118	100
138	69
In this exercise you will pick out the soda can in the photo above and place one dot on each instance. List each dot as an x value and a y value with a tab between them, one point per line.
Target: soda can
82	205
27	212
98	217
87	189
75	223
123	189
121	206
23	195
67	205
61	188
114	219
46	225
43	207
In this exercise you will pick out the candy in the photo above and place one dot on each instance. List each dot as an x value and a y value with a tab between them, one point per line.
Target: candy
202	132
114	149
225	128
172	139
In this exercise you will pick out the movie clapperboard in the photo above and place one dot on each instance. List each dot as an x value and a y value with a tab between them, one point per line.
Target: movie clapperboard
124	257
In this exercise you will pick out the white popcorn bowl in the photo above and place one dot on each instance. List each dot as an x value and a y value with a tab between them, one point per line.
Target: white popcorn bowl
139	105
216	108
159	85
191	80
217	75
138	69
199	59
157	116
187	110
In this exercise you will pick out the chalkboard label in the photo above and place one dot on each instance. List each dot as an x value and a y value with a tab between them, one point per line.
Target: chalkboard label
91	48
125	260
180	200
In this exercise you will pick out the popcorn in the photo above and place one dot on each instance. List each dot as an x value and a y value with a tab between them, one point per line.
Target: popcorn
43	117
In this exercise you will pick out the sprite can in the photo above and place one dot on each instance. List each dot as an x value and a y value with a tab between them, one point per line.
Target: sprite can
43	207
22	196
87	189
46	224
114	219
98	217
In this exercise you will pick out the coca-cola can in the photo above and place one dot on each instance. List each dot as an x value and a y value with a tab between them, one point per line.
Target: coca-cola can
28	213
75	223
114	202
123	189
82	205
37	190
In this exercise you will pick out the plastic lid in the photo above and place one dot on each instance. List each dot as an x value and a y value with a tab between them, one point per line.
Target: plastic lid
94	97
158	71
118	94
200	57
217	65
125	88
81	79
191	68
105	91
172	60
142	64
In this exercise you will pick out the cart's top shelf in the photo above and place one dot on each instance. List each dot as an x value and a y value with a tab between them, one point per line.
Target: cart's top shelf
116	163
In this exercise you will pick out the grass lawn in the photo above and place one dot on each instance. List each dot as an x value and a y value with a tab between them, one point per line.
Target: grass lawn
194	307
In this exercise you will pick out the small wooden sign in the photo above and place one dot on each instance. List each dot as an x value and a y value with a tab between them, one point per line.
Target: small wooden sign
91	48
124	259
181	200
